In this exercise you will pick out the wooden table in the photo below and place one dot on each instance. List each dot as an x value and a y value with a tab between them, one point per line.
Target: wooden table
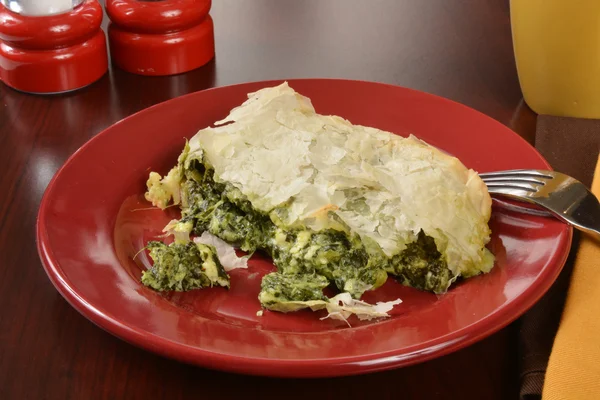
454	48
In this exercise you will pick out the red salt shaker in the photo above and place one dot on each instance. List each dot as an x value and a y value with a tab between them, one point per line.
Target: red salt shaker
52	53
163	37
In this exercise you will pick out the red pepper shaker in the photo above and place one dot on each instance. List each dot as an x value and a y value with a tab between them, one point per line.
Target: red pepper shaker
160	37
52	53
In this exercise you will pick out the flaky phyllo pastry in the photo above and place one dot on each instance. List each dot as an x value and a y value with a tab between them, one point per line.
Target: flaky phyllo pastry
334	204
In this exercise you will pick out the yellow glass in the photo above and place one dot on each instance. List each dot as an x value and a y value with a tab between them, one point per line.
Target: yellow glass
557	49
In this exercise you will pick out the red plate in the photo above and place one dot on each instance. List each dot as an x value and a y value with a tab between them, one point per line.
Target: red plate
90	226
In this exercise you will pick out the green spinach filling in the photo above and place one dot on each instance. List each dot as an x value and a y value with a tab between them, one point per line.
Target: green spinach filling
306	261
421	266
182	267
281	288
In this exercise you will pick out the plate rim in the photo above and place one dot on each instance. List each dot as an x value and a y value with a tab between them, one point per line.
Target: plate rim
317	367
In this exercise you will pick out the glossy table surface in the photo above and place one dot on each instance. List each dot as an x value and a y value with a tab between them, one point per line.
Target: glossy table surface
453	48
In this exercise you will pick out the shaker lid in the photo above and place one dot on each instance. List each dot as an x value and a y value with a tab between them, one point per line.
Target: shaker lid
39	8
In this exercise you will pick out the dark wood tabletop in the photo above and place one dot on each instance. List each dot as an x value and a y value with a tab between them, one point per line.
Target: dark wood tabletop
458	49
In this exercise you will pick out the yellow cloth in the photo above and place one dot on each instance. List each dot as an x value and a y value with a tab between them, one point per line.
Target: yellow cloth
574	366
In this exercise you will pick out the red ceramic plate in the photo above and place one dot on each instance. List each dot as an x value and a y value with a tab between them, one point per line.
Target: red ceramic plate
93	220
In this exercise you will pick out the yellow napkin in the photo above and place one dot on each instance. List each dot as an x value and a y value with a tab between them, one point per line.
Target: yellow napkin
574	366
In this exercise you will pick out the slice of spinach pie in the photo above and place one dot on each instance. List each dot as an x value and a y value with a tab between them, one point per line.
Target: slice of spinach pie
334	204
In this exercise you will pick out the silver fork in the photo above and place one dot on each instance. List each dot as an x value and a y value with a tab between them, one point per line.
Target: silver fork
565	197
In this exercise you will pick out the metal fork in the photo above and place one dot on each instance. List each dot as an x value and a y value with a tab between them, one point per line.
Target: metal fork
565	197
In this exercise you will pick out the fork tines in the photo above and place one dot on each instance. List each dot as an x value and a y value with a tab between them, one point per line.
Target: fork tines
523	179
519	173
565	197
